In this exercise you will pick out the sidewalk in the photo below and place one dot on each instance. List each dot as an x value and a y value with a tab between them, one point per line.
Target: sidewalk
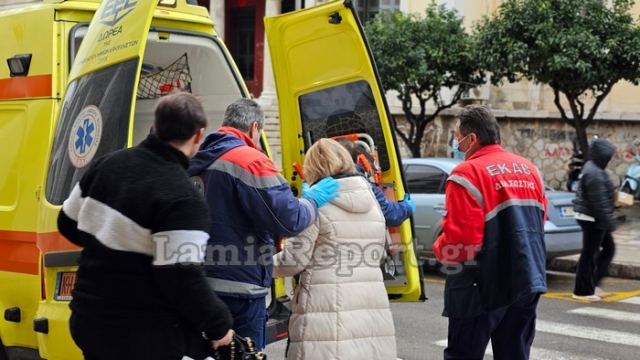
626	262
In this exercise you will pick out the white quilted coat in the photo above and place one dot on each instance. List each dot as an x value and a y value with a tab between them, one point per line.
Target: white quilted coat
340	309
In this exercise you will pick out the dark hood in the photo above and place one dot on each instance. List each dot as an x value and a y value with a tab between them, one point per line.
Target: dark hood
213	147
601	152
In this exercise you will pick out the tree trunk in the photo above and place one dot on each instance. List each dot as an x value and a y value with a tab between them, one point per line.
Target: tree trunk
581	135
416	147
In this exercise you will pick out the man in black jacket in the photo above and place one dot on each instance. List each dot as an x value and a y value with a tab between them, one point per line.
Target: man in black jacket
141	292
594	207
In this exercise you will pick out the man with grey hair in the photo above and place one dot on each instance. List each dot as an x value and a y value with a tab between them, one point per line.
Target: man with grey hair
250	205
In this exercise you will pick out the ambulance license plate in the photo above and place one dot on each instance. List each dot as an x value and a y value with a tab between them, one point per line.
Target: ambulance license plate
65	283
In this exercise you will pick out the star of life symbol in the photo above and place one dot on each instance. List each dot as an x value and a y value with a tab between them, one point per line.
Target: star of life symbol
115	10
84	138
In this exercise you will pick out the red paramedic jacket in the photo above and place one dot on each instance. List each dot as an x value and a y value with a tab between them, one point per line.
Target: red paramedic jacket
494	230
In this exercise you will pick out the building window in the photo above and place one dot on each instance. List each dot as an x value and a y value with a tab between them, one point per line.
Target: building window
288	6
368	9
244	36
204	3
243	40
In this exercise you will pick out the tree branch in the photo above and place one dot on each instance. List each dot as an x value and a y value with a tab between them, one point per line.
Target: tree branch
443	106
407	104
599	99
574	108
581	104
458	94
400	133
563	113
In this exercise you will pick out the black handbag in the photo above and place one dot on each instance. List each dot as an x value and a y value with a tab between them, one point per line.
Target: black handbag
239	349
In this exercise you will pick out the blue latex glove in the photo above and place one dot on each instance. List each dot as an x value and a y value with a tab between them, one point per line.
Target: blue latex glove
412	204
305	189
322	192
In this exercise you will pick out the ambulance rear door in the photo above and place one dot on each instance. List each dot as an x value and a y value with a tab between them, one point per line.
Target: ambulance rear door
328	86
95	118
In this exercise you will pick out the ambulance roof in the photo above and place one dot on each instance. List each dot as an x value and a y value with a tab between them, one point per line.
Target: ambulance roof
187	7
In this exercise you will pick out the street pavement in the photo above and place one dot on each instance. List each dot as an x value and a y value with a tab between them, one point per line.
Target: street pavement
566	329
626	262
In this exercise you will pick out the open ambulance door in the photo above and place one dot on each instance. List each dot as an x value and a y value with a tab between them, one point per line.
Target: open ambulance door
328	86
96	118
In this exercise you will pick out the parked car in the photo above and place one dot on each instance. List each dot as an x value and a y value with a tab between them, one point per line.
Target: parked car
426	178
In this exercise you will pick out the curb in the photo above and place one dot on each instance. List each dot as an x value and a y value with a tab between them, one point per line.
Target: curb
625	271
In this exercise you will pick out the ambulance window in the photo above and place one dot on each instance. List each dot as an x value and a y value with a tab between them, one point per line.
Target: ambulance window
192	63
76	36
341	110
94	122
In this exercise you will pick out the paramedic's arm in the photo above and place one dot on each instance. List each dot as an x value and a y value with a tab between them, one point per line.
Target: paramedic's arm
274	207
395	213
297	252
180	237
68	216
462	226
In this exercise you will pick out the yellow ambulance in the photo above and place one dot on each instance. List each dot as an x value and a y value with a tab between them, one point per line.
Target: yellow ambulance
81	80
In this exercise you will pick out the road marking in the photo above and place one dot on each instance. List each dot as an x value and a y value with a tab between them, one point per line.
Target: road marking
612	297
607	314
633	300
536	353
590	333
621	295
434	280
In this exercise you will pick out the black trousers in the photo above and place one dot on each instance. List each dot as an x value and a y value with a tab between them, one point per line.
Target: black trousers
129	340
597	252
511	330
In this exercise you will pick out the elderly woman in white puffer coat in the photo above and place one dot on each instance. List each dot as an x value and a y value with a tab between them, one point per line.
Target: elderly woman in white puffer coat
340	309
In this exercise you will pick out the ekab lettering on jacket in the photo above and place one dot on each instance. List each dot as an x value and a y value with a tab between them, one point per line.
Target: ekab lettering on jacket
500	169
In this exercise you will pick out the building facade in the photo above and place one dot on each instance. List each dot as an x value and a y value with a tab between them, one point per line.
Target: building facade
530	121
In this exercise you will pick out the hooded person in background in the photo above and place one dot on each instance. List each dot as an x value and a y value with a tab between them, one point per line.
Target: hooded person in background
250	204
594	207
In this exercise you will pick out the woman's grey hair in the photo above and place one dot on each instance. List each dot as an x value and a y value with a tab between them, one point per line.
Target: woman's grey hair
242	113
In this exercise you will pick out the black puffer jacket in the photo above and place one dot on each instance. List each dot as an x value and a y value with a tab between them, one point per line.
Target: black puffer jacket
595	192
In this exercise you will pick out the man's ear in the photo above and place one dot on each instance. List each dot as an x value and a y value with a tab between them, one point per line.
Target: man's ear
475	138
199	136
